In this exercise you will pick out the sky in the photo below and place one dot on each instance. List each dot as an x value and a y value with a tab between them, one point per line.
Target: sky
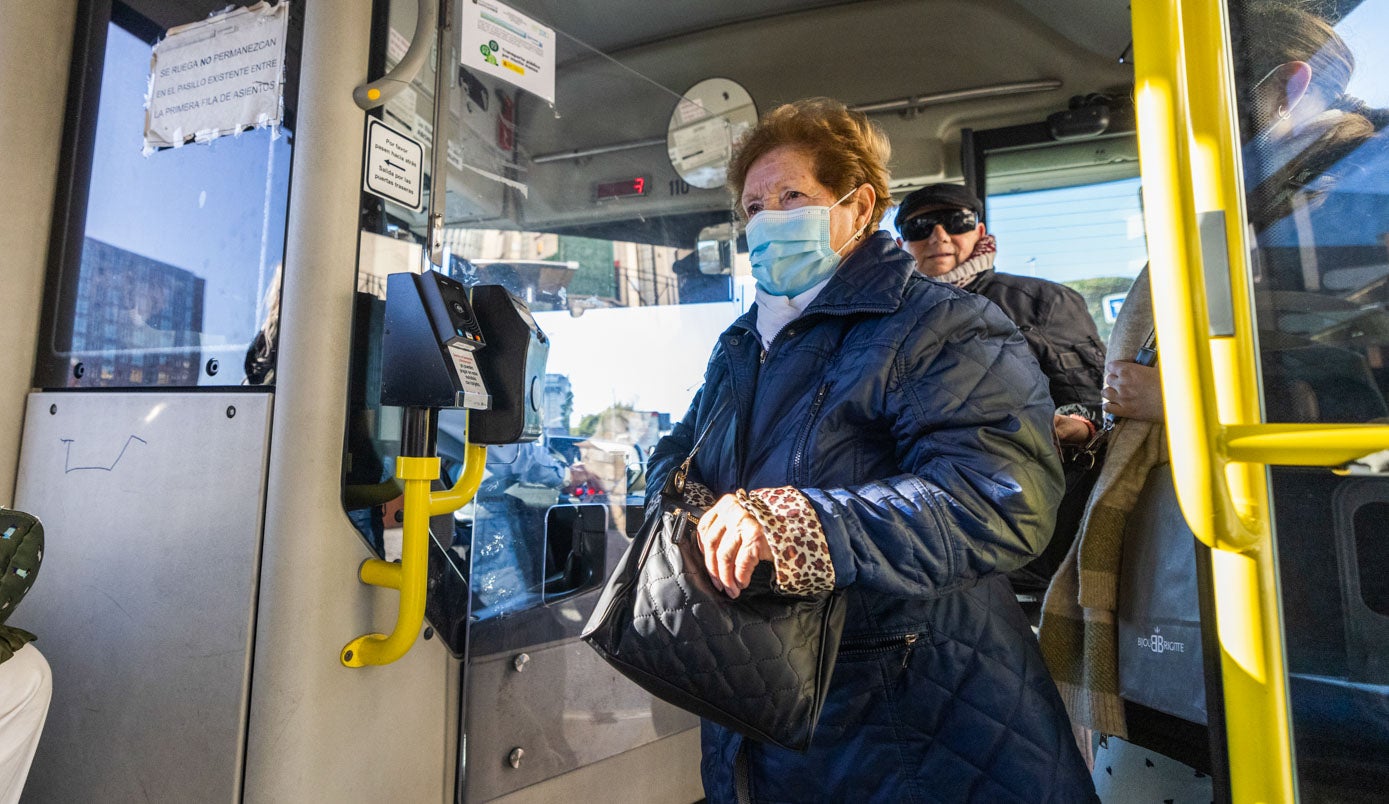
1365	30
1070	233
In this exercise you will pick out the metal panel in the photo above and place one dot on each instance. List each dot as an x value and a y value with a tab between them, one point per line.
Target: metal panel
1220	302
564	708
664	771
319	731
152	507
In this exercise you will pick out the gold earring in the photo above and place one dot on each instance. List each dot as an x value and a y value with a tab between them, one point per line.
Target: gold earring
1284	112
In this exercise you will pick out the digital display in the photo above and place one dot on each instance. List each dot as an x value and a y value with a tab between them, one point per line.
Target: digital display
624	188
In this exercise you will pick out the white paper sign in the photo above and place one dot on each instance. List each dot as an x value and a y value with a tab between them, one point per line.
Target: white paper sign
706	143
502	42
395	166
217	77
424	130
474	391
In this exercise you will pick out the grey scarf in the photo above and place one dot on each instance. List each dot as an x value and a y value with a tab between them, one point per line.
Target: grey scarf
981	260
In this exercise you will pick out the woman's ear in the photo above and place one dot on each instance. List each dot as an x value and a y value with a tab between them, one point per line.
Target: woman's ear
865	202
1295	77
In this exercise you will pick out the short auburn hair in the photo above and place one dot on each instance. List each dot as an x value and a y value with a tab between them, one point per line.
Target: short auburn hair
848	149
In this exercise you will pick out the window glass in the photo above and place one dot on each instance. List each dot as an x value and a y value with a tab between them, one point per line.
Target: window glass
1067	211
1088	236
1315	181
1310	86
174	281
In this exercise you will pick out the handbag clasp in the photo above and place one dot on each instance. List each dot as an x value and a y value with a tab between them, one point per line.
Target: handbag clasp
678	477
683	519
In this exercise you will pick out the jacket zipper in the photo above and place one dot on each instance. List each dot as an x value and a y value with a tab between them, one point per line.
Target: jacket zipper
798	457
886	645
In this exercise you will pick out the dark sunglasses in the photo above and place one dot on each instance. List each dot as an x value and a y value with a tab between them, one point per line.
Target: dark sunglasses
956	222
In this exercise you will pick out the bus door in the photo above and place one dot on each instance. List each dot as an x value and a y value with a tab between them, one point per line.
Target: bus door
1265	196
597	201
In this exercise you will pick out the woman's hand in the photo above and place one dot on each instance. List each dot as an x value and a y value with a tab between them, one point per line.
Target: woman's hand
1071	429
733	543
1132	391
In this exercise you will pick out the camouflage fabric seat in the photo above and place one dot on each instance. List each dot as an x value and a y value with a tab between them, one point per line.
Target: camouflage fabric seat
21	552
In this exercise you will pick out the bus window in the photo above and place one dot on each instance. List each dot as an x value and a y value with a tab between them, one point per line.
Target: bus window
1316	189
1311	95
1067	211
171	277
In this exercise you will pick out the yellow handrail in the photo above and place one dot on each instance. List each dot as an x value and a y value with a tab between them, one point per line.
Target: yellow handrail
445	502
1188	144
1304	444
410	576
1179	300
1186	150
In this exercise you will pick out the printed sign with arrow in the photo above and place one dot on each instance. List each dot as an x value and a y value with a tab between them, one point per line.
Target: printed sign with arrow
395	165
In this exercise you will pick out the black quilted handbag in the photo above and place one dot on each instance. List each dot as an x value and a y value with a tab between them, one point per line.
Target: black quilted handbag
759	664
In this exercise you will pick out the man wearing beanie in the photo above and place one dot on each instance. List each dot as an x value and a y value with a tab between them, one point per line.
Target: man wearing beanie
941	227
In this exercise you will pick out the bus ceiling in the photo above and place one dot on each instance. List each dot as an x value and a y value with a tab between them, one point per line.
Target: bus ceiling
1101	29
621	72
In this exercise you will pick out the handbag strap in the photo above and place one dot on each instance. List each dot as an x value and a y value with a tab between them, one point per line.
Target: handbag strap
683	471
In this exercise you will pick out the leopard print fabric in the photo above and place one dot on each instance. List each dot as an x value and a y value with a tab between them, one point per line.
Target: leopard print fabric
697	495
800	550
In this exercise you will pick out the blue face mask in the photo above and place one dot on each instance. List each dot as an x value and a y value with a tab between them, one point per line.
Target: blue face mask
790	248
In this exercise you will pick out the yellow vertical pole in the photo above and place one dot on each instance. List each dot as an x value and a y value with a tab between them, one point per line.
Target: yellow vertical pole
1186	149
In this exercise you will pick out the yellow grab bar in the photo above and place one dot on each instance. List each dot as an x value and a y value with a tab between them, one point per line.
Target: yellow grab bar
1304	444
1186	157
1188	145
1179	301
446	502
1184	147
410	576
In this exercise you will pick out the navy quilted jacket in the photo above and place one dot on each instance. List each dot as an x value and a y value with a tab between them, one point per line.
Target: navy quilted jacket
916	421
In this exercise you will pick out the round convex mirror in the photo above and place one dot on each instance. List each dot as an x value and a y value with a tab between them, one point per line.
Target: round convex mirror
706	122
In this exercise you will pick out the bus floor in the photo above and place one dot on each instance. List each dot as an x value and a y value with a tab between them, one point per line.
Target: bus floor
1126	773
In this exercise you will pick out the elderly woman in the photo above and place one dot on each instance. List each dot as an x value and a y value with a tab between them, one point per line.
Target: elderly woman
882	434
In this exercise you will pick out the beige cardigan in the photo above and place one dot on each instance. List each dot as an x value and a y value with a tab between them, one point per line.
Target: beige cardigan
1078	633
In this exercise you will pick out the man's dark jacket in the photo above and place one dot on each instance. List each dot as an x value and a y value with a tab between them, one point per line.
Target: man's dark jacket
1058	328
914	419
1063	338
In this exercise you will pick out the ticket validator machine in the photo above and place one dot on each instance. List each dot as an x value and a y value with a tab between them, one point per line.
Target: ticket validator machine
445	345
